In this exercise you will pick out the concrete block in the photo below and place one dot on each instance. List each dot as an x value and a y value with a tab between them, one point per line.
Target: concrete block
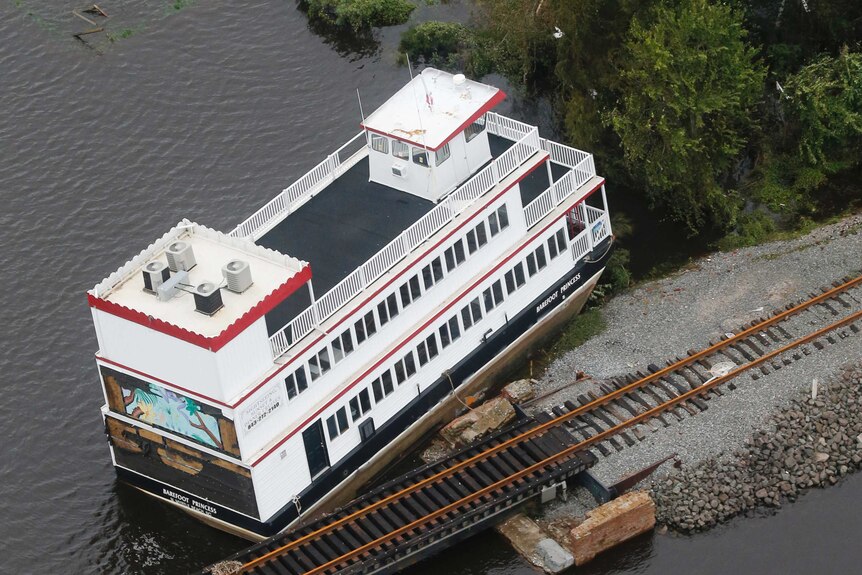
519	391
535	545
491	415
611	524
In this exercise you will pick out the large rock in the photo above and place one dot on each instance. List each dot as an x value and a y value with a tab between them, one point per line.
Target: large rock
491	415
535	545
612	523
519	391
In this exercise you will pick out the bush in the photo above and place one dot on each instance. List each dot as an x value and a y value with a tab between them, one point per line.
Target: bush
360	14
752	228
437	43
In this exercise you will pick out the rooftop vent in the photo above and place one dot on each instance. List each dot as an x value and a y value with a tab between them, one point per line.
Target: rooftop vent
207	298
237	273
180	256
155	274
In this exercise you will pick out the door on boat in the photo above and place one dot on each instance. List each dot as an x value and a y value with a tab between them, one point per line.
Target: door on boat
315	448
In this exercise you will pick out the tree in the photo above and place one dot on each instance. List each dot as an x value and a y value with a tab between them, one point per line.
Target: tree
688	87
824	108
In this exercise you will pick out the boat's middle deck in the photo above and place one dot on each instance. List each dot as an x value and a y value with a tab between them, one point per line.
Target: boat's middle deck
350	220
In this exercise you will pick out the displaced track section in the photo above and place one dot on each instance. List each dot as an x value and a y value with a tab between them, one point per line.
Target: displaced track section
438	504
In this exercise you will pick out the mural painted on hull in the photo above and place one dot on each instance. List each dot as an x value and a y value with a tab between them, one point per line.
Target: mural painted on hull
168	410
165	409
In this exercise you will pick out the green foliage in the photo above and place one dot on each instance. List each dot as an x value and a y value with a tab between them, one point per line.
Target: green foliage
689	83
825	107
360	14
752	228
581	328
440	44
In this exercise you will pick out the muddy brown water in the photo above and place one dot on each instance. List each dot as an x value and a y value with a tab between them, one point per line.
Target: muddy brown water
206	112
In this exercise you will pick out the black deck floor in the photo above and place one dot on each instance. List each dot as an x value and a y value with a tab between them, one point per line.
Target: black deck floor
352	219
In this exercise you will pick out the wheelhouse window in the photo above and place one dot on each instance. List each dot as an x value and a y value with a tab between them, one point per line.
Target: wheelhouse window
420	156
442	154
475	128
380	143
400	150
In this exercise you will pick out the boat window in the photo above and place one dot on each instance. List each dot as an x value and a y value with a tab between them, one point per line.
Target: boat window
420	156
541	261
460	256
337	424
454	328
520	279
450	259
342	346
493	296
445	340
386	379
313	368
510	281
466	317
422	353
410	291
400	372
400	149
498	221
380	143
475	128
481	235
531	265
296	383
321	363
409	364
472	246
387	309
442	154
360	404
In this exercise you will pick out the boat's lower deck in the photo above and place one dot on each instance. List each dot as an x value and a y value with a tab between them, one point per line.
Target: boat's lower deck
413	420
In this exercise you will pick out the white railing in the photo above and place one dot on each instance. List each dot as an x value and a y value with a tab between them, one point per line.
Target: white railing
506	127
600	229
558	192
560	153
302	189
581	245
410	239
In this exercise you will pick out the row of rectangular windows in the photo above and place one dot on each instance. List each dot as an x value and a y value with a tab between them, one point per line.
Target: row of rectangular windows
447	333
389	308
403	151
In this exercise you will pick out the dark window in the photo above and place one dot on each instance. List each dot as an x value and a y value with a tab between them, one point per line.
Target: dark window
405	296
332	427
427	278
552	247
472	246
364	401
503	216
342	346
460	256
481	235
450	259
510	281
431	341
466	317
380	143
454	328
498	292
400	149
493	225
313	368
442	154
388	386
420	156
387	309
296	383
337	423
377	389
541	261
445	340
355	412
365	327
400	373
290	385
409	364
561	240
437	268
341	416
520	279
422	353
488	297
475	128
531	265
360	405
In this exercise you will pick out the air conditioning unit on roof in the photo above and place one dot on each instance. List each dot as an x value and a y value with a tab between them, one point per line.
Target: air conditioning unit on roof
237	273
208	298
155	274
180	256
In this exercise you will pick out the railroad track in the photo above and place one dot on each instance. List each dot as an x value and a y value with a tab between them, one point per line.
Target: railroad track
440	503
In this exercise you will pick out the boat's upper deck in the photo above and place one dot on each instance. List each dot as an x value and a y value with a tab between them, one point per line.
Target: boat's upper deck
351	219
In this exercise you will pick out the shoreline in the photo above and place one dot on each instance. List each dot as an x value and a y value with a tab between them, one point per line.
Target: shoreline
684	310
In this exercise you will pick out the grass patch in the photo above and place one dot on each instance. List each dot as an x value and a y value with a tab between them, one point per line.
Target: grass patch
581	328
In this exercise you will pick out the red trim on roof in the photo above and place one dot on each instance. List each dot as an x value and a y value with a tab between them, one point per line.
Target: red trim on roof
409	338
498	97
212	343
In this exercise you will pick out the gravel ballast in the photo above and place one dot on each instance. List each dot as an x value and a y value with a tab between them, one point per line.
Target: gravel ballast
717	294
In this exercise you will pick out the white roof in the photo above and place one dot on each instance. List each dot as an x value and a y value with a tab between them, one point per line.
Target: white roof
432	108
212	250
